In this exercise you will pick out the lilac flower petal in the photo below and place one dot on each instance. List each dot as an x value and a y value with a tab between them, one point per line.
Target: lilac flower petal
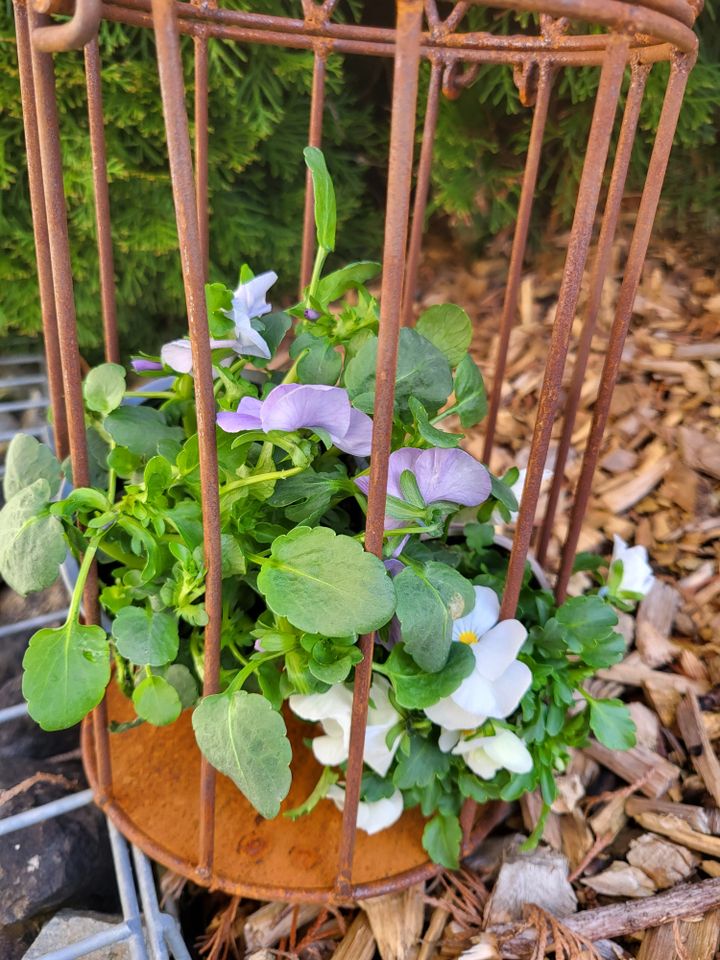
452	474
357	440
141	364
249	299
247	416
177	355
248	341
406	458
293	406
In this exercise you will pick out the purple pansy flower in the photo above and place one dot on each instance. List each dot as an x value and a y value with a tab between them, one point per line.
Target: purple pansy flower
442	474
297	406
142	365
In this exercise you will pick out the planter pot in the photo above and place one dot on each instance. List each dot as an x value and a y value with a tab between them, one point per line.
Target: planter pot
156	804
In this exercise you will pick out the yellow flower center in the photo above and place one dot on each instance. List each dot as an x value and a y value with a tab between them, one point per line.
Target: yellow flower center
468	636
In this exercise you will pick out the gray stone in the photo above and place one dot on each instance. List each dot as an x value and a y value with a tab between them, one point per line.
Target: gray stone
61	861
22	737
70	926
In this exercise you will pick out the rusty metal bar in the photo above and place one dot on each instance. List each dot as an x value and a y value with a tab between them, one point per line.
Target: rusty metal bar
52	178
82	26
178	139
40	230
317	106
422	187
102	200
623	311
402	137
201	149
588	194
519	244
601	264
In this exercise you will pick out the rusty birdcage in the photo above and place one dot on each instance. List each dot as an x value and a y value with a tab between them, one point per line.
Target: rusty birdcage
154	785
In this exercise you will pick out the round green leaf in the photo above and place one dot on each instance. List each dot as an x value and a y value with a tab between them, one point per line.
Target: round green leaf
326	583
244	738
32	547
26	461
66	671
156	701
145	637
104	388
449	328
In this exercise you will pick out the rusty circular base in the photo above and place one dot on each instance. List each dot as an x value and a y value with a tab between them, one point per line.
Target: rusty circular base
155	804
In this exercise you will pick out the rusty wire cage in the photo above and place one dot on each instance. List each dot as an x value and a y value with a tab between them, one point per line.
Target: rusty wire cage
153	783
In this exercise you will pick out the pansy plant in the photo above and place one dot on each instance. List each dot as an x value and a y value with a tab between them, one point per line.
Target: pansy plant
462	704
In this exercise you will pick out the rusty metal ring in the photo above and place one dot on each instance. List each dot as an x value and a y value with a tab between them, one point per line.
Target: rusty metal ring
71	35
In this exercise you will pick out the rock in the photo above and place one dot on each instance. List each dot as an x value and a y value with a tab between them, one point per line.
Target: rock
63	860
15	940
23	737
69	926
539	877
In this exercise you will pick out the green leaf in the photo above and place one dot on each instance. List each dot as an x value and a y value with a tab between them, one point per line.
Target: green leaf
428	601
141	429
441	839
327	778
420	765
218	297
324	193
469	390
429	433
415	689
449	328
81	500
272	327
587	618
157	701
104	388
179	677
321	364
233	559
612	724
32	546
66	670
145	637
337	283
28	460
244	738
307	496
326	583
423	372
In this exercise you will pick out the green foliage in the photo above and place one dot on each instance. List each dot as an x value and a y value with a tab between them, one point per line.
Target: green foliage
259	102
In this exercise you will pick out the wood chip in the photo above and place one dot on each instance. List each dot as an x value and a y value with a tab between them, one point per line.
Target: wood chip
665	863
633	672
621	880
267	926
655	618
435	928
358	943
656	773
539	877
677	830
684	940
396	921
700	452
703	756
702	819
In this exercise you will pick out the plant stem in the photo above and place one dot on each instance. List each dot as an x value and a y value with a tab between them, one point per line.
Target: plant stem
152	394
81	578
320	258
444	413
259	478
250	668
292	375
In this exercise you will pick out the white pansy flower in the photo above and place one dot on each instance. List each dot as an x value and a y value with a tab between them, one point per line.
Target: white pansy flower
502	751
333	709
249	301
374	816
498	681
637	574
518	488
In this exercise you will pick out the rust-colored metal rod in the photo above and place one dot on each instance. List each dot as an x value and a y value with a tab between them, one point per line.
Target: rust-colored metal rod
40	230
422	187
201	149
317	107
601	264
183	182
402	137
623	311
59	242
102	201
519	244
82	26
642	19
527	51
588	194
